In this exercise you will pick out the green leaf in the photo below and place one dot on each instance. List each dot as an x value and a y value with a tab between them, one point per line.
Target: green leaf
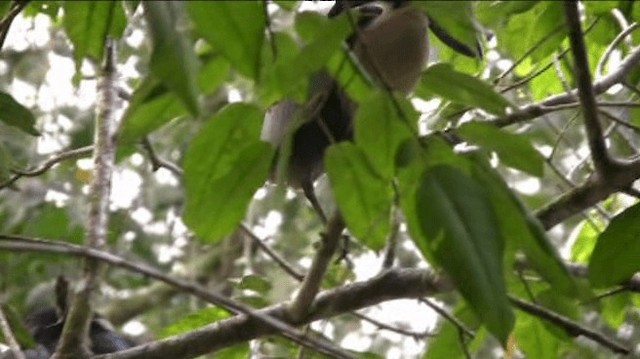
457	21
533	338
173	60
441	79
618	244
522	230
514	150
5	164
194	320
364	198
213	74
463	233
151	107
255	283
585	241
379	130
223	167
235	28
288	74
14	114
88	23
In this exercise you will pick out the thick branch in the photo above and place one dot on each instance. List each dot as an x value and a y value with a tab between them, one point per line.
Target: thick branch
21	243
532	111
589	193
72	343
313	280
393	284
595	137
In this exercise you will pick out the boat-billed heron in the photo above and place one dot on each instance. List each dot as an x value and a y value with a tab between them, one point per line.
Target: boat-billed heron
390	44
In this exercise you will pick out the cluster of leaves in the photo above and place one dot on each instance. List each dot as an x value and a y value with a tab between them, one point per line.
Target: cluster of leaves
459	205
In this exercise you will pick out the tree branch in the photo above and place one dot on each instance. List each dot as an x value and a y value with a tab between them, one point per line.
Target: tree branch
313	280
21	243
73	343
571	327
531	111
595	139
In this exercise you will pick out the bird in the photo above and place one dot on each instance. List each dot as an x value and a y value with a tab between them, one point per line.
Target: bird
391	46
45	326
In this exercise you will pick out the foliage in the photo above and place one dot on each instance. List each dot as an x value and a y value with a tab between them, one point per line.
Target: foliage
488	178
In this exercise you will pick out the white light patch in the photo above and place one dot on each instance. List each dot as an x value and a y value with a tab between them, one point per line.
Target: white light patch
57	198
136	159
234	95
141	215
126	188
269	225
165	177
134	328
529	186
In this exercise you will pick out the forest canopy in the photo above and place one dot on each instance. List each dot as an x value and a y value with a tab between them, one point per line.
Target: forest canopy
486	208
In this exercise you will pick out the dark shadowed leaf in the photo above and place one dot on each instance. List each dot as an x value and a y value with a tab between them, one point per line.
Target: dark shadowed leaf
514	150
522	230
223	167
462	230
364	197
14	114
618	244
173	59
442	80
235	28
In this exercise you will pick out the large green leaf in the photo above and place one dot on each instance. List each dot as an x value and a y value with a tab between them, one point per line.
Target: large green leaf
514	150
457	21
88	23
152	106
363	196
522	230
287	75
462	230
379	130
14	114
618	244
235	28
173	60
223	167
441	79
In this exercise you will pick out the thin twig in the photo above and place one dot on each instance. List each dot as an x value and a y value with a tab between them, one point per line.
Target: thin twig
23	243
462	328
595	138
282	263
5	23
45	166
572	327
313	280
9	337
157	162
612	46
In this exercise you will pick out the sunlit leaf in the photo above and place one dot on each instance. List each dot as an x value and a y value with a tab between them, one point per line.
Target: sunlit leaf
363	196
235	28
223	167
514	150
173	60
88	23
380	129
441	79
151	106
